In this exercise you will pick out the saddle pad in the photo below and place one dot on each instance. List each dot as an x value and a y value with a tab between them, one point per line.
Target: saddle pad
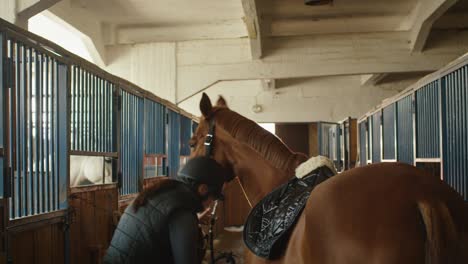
270	222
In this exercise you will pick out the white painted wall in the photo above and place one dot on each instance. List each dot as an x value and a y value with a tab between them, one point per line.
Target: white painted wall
202	63
151	66
87	26
299	100
56	31
8	10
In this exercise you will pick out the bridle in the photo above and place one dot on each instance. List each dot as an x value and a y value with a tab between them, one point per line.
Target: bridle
209	139
209	145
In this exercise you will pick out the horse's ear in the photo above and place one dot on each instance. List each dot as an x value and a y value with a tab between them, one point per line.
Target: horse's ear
205	105
221	102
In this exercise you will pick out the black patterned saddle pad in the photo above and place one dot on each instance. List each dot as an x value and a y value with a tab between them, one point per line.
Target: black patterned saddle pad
270	222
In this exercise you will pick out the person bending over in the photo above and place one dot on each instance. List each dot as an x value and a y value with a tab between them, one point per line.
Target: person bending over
161	224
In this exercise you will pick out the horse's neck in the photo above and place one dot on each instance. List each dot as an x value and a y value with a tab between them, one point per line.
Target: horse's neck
257	176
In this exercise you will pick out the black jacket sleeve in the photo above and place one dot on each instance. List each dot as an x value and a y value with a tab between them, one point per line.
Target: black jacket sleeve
183	233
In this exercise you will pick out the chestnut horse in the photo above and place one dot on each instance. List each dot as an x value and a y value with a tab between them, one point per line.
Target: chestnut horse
383	213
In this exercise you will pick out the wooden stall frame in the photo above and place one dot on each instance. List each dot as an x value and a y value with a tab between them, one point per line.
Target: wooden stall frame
64	57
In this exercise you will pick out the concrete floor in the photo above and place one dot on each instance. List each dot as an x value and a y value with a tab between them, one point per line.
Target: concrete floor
228	242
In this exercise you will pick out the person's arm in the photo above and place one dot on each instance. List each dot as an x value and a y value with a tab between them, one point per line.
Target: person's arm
183	233
205	216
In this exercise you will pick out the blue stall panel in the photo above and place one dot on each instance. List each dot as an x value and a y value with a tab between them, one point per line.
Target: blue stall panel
2	105
155	128
427	121
323	137
92	112
131	142
369	139
185	135
344	145
38	125
376	137
363	143
405	130
194	127
455	134
334	145
1	177
388	132
2	91
155	139
174	143
62	146
338	162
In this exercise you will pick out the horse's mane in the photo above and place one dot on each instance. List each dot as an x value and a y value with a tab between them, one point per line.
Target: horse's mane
266	144
161	184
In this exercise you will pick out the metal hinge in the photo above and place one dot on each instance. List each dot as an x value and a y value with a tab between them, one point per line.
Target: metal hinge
7	182
119	179
69	218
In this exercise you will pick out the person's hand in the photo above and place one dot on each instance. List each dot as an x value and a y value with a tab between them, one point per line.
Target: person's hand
204	217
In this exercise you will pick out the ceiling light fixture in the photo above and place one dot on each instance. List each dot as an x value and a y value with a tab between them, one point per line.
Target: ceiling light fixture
257	108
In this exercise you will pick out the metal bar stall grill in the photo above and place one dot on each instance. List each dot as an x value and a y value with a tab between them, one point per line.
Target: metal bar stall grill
388	132
323	135
155	139
427	121
92	135
362	143
344	145
174	143
185	135
404	111
369	139
2	113
36	88
131	142
376	137
334	145
454	133
337	160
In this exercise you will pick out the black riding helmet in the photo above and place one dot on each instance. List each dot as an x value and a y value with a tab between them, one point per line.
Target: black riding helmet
203	170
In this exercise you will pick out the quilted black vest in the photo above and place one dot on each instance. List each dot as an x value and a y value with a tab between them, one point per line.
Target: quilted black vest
142	236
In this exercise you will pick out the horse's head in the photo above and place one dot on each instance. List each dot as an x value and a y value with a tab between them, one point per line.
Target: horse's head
227	128
209	139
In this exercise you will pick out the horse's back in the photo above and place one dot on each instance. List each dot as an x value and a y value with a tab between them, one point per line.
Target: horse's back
371	215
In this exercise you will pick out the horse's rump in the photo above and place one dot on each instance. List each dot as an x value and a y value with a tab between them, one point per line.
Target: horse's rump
387	213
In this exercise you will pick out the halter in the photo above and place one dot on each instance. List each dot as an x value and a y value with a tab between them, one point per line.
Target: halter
209	139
